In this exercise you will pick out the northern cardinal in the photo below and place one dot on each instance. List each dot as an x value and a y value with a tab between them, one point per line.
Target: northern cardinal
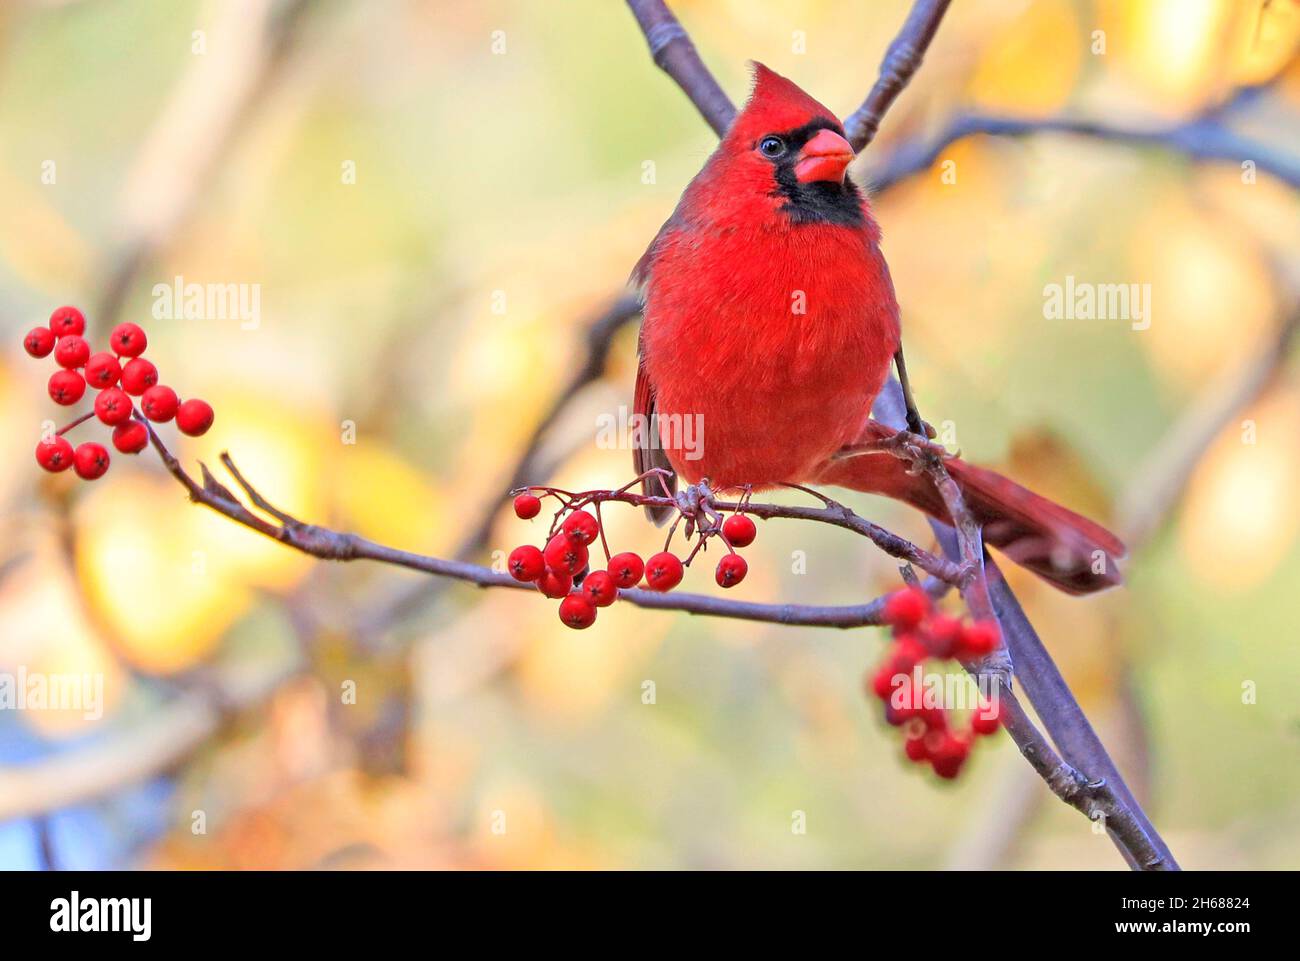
770	322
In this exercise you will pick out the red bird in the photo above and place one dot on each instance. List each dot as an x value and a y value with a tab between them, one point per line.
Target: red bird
770	323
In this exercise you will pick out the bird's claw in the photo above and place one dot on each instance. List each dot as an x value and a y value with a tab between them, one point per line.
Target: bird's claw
695	503
914	446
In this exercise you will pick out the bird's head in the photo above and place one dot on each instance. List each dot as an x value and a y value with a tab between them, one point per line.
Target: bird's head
792	148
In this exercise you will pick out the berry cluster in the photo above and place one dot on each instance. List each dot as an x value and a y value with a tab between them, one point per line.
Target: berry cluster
119	374
562	569
922	634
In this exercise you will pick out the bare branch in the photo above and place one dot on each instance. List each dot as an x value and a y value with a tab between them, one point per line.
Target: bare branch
831	512
1162	477
1206	137
902	60
1096	799
209	107
327	544
674	54
1064	719
163	738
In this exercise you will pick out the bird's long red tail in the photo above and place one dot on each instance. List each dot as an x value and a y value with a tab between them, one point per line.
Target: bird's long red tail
1066	549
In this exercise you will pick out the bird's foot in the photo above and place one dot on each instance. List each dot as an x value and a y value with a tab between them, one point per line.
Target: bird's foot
695	503
904	445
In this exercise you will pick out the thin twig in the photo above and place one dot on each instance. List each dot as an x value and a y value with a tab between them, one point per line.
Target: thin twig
1207	137
831	512
597	342
328	544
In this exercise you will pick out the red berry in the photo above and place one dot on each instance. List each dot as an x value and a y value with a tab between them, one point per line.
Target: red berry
978	639
626	569
906	653
600	589
565	555
581	527
942	634
899	709
72	352
885	680
948	755
130	437
555	584
102	370
39	341
128	340
67	320
90	461
663	571
54	454
987	718
577	611
907	608
526	564
915	749
740	530
138	376
113	406
933	717
731	570
66	387
527	507
194	417
159	403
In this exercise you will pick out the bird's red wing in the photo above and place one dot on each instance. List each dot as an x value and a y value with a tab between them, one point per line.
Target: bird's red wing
649	453
641	272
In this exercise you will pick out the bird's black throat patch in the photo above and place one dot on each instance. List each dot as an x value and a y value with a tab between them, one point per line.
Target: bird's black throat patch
819	202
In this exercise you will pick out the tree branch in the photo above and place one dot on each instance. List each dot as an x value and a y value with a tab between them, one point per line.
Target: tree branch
328	544
674	53
597	341
1097	799
902	59
1205	137
1047	691
1160	480
209	107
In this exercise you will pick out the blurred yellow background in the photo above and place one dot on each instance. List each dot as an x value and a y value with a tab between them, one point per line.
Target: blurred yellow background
435	199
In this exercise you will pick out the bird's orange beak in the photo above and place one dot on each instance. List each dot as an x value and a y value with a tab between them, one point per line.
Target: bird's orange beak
825	157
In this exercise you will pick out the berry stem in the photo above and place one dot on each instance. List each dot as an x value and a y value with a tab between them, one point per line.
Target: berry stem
699	544
671	531
604	545
80	420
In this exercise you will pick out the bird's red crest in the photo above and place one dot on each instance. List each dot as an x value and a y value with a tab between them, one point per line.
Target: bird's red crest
775	104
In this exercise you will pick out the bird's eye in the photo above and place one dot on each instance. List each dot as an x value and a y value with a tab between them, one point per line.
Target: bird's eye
772	146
